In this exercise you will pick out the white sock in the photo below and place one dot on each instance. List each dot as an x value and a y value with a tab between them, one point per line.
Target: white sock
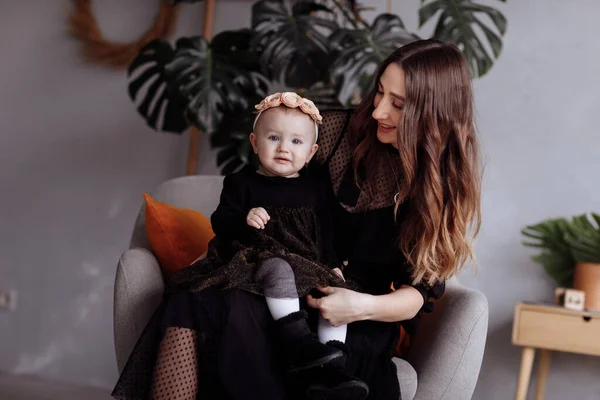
280	308
329	332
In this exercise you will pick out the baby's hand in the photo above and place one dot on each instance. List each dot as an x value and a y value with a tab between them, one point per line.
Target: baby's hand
257	218
338	272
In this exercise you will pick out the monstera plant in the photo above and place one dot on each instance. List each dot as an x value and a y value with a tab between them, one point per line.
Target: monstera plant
323	49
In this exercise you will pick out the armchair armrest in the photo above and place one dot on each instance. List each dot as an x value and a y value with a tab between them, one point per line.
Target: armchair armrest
138	291
447	350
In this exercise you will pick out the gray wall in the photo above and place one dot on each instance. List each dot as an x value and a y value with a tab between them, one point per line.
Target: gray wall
537	118
75	159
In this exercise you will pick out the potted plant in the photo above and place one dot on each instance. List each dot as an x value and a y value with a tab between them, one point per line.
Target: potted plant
570	253
323	49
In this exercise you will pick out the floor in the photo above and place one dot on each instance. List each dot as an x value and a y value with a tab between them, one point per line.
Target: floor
19	387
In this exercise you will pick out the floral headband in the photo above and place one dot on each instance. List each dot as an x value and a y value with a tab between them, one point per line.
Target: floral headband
291	100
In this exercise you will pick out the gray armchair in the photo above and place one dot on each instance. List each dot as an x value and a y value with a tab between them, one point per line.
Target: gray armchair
446	354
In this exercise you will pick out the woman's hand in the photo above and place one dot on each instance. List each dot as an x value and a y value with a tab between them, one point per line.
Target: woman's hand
341	306
258	218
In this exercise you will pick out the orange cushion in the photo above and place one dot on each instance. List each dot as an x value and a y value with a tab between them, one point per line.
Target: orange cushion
178	236
403	344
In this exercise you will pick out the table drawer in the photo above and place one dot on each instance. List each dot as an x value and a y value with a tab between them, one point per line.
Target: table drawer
555	328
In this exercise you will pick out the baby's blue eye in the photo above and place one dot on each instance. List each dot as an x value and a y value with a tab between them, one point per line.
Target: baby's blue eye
297	141
273	138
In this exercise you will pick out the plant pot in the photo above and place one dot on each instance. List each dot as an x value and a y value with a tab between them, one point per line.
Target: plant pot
587	279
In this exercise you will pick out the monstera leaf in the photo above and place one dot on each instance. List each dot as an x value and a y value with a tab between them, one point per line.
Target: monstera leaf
198	81
235	150
360	51
159	105
212	78
456	23
324	95
292	43
236	154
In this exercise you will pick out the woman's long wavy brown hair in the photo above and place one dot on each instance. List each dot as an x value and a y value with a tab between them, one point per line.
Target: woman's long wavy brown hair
439	158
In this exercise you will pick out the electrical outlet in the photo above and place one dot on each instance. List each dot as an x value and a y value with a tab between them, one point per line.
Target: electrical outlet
8	300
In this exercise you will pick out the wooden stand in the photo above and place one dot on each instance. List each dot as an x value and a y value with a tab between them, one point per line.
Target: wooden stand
192	160
551	328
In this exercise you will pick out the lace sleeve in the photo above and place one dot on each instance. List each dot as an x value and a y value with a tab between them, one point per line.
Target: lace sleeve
429	293
333	126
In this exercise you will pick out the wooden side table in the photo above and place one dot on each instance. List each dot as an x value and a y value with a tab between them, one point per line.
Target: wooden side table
551	328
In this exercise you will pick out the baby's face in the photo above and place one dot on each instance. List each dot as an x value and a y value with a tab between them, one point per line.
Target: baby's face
284	140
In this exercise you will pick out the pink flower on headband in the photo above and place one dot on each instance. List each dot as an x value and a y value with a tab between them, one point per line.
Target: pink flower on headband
308	107
292	100
273	100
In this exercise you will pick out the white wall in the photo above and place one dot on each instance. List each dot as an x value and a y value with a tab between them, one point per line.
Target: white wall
75	158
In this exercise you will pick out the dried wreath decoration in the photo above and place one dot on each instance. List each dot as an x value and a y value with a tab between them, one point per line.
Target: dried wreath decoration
84	26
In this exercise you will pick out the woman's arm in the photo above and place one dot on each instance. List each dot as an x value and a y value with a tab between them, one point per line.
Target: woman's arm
331	130
400	305
343	306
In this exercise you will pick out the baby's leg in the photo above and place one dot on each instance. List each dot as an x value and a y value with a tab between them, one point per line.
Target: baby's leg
279	287
333	380
328	332
301	348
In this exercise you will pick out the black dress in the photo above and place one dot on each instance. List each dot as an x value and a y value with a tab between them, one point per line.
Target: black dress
299	231
230	332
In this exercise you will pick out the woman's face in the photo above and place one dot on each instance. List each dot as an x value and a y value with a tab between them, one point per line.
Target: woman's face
388	103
